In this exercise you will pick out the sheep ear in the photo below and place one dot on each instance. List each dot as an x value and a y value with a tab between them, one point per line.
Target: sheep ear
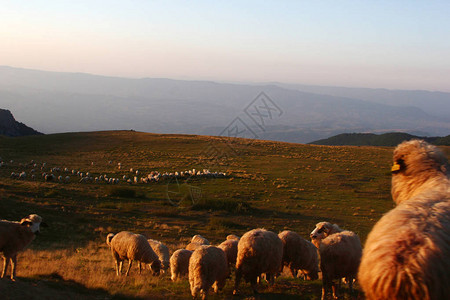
25	222
43	224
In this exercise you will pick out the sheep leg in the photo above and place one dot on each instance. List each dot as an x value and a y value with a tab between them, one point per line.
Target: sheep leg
118	267
129	267
140	268
5	265
13	267
293	272
335	288
236	281
253	284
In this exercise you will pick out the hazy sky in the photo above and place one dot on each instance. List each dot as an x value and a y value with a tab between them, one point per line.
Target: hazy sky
390	44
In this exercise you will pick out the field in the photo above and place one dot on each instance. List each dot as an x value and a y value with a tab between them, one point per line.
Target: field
273	185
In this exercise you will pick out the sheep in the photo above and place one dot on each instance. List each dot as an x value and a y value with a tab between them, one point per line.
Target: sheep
163	253
232	237
179	263
259	251
131	246
299	254
207	266
15	237
199	239
230	247
340	254
406	255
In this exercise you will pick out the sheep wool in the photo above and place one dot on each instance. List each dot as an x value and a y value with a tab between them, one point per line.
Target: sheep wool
208	266
230	247
259	251
299	254
179	263
133	247
407	253
162	251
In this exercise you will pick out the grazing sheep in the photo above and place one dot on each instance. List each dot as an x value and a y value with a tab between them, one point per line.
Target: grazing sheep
14	237
193	246
407	253
199	240
340	254
259	251
232	237
163	253
131	246
179	263
230	247
196	241
207	266
299	254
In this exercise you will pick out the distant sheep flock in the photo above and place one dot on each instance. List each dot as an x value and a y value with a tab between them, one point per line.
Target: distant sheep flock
31	170
406	255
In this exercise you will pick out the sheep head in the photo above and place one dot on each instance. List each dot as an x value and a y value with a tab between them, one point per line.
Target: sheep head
414	163
155	267
33	222
322	230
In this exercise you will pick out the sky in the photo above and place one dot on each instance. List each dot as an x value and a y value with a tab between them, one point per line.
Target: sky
378	44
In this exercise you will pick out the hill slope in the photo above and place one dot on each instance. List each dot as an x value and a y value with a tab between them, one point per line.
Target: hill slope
10	127
370	139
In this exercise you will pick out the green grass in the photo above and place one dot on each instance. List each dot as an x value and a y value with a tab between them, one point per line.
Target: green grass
273	185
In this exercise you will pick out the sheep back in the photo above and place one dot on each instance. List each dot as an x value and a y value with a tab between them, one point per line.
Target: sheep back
162	251
179	263
199	240
259	251
128	245
207	265
230	247
340	255
407	253
299	254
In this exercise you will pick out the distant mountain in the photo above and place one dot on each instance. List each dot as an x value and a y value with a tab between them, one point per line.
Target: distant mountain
55	102
370	139
10	127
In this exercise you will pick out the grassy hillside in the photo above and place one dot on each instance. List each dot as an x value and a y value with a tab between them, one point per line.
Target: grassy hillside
371	139
269	184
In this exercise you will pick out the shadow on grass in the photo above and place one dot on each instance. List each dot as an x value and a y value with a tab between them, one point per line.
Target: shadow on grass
52	286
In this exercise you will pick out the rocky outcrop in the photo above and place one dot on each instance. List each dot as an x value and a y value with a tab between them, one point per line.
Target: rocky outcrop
10	127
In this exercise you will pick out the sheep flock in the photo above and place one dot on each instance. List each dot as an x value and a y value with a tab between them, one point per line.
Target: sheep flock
406	254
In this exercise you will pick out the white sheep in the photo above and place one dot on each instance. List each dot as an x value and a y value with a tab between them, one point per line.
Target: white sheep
133	247
15	236
163	253
179	263
207	267
259	251
340	254
299	254
407	253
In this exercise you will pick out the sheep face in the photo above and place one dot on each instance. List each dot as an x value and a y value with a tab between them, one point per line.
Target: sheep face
155	267
321	231
33	222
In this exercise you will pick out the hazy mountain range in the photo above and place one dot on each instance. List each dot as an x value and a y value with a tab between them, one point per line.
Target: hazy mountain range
60	102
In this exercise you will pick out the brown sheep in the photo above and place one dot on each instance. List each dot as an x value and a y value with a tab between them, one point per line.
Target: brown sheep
207	266
259	251
340	255
15	237
407	253
299	254
133	247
